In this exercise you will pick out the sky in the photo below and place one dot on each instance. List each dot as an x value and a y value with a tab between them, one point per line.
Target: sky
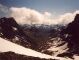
59	6
48	10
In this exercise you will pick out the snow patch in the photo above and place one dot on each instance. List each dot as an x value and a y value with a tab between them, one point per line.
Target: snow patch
9	46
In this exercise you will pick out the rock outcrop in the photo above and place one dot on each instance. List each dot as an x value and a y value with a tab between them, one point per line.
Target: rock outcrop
71	34
11	30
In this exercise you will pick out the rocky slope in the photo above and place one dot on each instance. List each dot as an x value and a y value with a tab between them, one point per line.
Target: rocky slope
57	40
71	35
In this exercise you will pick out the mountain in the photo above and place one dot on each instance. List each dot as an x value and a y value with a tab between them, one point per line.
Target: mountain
7	47
55	40
41	38
71	36
13	56
37	37
9	29
42	34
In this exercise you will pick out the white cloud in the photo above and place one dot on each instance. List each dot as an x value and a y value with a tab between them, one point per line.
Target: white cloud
25	15
66	18
47	14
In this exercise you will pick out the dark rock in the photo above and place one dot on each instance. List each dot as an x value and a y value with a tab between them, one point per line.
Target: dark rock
72	39
13	56
9	29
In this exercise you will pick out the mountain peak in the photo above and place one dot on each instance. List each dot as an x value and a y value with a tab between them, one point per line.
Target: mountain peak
6	25
9	29
76	18
72	32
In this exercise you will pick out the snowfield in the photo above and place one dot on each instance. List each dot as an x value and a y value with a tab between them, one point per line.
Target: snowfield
9	46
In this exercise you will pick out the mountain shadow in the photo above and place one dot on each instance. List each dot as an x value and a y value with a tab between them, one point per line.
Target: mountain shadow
71	35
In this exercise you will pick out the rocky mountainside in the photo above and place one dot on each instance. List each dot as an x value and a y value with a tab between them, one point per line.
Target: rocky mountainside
6	46
43	34
37	37
71	35
9	29
13	56
57	40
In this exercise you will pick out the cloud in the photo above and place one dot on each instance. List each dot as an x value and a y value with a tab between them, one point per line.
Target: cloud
47	14
25	15
67	17
30	16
